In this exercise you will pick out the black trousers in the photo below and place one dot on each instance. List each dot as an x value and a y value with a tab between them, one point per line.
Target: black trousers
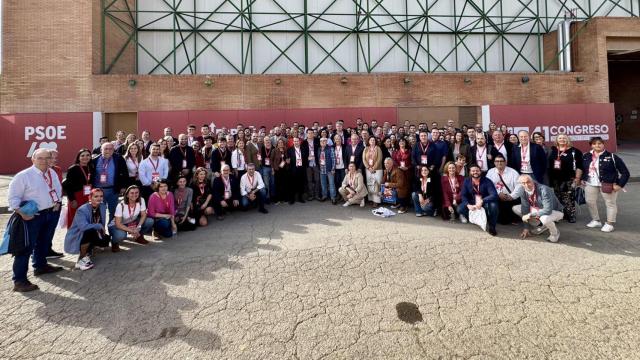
298	180
505	214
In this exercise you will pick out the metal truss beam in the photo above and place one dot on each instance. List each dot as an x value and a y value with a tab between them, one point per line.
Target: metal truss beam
409	32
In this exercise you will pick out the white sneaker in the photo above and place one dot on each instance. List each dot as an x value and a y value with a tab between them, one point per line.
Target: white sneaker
607	228
345	204
418	214
554	238
362	203
594	224
539	230
463	219
84	264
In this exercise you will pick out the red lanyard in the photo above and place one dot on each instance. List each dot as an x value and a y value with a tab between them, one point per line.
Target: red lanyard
533	198
131	210
424	184
48	181
476	188
250	180
179	196
223	154
184	152
499	147
298	154
201	188
267	152
352	179
424	148
165	201
155	166
453	184
480	155
372	152
594	159
523	151
227	184
561	153
86	174
105	165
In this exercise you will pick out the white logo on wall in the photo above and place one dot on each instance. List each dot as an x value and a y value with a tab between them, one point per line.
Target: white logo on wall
575	132
43	137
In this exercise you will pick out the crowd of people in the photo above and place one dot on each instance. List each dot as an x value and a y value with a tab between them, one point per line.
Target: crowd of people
133	187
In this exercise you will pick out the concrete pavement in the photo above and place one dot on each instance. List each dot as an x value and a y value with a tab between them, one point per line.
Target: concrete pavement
319	281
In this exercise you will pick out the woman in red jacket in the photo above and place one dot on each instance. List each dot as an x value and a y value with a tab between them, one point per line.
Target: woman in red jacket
451	189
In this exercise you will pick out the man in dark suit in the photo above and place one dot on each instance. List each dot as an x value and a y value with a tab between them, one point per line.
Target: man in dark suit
500	146
480	154
182	159
354	151
528	158
299	161
220	156
225	192
340	130
479	192
311	144
426	154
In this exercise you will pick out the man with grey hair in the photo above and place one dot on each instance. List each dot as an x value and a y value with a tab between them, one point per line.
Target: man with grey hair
539	207
38	184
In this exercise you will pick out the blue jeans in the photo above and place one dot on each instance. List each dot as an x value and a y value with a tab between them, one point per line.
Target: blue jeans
491	208
163	227
41	229
426	210
118	235
338	177
269	182
261	196
331	191
111	198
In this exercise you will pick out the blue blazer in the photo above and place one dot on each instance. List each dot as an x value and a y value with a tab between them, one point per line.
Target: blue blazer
434	155
537	159
487	191
82	222
611	168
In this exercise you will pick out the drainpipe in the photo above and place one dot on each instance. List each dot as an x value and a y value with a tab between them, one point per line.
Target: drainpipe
568	67
560	34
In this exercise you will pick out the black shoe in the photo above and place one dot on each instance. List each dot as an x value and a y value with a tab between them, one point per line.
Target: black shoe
291	202
264	211
48	269
26	286
54	254
323	199
334	201
493	231
309	198
301	201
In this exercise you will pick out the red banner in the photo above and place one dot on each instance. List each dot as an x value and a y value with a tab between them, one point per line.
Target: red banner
22	134
579	121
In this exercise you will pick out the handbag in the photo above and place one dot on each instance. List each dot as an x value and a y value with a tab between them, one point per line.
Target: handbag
389	195
580	196
606	188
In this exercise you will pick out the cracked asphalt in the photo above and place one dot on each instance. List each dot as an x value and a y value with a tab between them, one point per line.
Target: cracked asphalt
316	281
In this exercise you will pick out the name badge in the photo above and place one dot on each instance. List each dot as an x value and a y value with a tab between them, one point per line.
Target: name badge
54	196
155	177
524	166
184	164
423	159
86	190
282	163
222	164
481	163
322	162
352	159
370	162
267	162
556	164
478	199
227	195
402	163
259	157
103	178
298	162
311	157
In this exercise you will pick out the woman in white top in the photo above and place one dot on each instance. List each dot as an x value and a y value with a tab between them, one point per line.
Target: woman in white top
133	158
130	219
238	160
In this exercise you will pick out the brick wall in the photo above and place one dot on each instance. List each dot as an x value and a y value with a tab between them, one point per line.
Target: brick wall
51	56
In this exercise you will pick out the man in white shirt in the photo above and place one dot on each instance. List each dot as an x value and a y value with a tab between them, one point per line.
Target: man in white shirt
252	189
40	184
505	180
151	170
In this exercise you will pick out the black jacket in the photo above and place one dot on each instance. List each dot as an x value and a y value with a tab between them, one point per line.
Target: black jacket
611	168
218	189
217	157
357	155
304	151
121	178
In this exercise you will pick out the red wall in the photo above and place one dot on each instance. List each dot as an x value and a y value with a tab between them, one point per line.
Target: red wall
23	133
585	120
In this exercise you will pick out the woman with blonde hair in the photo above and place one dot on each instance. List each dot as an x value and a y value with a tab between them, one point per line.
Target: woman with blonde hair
565	171
202	196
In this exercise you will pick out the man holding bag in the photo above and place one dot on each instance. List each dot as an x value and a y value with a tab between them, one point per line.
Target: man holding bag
478	193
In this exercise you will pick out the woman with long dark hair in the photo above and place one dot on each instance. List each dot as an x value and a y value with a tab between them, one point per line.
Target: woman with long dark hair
77	184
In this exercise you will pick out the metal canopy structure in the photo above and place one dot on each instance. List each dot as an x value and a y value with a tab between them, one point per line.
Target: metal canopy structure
328	36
